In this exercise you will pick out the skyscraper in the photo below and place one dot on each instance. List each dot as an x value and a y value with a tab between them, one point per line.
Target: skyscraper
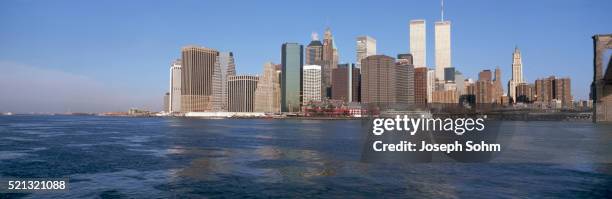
241	93
498	89
314	50
225	68
166	102
330	61
418	41
443	45
197	69
311	84
404	77
345	83
517	73
175	87
383	81
267	94
366	46
431	83
420	85
291	81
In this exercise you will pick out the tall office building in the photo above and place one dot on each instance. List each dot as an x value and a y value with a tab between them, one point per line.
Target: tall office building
366	46
311	84
420	85
404	76
166	102
442	45
382	81
225	68
267	94
329	62
431	84
314	51
175	87
484	87
517	73
197	69
291	77
418	42
345	83
241	93
498	89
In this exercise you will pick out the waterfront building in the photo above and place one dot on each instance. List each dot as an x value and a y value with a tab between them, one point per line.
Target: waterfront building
418	41
552	89
366	46
382	81
197	69
267	94
346	81
311	84
225	67
517	73
404	77
175	87
241	93
166	102
291	77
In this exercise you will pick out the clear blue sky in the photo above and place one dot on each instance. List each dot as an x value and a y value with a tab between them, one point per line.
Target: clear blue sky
61	56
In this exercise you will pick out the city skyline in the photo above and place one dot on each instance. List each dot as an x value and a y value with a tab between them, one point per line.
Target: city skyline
391	41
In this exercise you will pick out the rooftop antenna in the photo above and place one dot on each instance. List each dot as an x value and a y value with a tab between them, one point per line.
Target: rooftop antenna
442	12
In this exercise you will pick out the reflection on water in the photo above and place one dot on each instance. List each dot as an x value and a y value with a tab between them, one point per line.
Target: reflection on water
173	157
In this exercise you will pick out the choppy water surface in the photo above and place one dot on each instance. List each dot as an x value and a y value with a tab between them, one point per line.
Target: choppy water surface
115	157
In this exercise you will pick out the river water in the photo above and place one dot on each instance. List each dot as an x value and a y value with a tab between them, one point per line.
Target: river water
121	157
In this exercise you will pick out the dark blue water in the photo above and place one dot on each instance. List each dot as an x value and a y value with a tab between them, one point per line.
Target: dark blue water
116	157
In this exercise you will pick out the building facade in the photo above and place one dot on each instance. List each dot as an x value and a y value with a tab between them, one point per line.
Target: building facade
314	51
442	47
346	81
329	62
267	94
291	77
418	41
175	87
382	81
554	90
517	74
311	84
366	46
225	68
420	85
241	93
197	69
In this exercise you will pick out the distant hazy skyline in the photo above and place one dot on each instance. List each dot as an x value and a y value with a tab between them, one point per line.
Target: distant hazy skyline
92	56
